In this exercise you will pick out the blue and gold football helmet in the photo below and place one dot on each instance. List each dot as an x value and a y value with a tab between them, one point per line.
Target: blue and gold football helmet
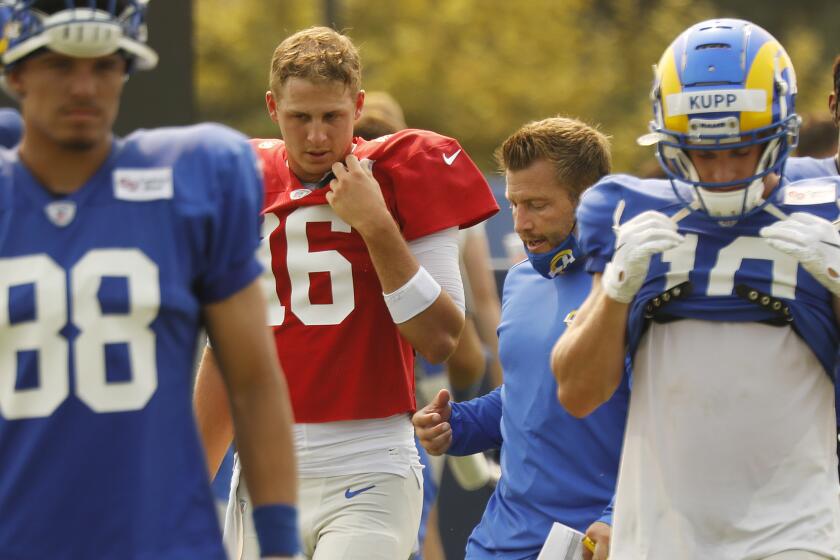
723	84
79	28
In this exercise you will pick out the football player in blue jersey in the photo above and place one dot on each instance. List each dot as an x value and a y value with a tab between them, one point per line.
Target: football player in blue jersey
555	467
805	167
798	168
11	123
722	288
112	252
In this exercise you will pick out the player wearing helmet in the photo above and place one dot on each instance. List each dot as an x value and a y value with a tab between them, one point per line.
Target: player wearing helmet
721	286
112	250
807	167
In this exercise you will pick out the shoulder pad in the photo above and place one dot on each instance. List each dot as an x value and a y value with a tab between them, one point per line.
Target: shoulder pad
600	201
209	139
266	144
612	201
401	145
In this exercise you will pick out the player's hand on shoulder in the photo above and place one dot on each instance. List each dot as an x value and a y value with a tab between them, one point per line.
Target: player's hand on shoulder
811	240
636	241
431	424
599	532
356	197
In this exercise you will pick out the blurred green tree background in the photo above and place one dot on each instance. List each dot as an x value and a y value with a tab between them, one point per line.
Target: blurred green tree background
478	69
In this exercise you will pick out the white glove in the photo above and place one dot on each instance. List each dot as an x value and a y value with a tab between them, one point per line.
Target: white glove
636	241
811	240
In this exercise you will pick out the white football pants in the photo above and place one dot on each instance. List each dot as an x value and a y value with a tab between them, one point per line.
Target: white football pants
372	516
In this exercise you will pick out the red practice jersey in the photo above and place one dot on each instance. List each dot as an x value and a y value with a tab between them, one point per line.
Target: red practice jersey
343	356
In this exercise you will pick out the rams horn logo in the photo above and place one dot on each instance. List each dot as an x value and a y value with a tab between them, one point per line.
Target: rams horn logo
561	261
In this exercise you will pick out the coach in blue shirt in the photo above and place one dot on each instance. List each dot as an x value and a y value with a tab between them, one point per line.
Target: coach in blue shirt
806	167
554	467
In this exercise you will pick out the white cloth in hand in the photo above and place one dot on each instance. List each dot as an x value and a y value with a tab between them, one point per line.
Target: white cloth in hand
636	241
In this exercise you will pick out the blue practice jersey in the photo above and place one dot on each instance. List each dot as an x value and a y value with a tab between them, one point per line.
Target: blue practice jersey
798	168
100	300
720	273
11	128
555	467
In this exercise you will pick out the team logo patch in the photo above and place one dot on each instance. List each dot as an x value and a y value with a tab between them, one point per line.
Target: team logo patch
561	261
297	194
143	184
61	212
810	193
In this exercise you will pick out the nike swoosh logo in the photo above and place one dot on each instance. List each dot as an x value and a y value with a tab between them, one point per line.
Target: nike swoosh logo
353	493
449	159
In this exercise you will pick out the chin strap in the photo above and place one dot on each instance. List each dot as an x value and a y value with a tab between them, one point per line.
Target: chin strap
721	204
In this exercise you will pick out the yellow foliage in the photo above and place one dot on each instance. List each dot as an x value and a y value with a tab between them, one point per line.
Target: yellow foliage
476	69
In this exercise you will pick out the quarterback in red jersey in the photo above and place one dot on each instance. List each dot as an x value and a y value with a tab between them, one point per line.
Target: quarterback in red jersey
332	327
361	255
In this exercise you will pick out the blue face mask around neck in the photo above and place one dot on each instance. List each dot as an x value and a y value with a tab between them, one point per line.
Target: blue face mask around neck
558	259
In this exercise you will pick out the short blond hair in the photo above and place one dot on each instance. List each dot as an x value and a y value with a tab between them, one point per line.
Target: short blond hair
318	54
579	152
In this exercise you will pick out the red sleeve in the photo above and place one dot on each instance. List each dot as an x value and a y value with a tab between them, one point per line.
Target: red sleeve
434	183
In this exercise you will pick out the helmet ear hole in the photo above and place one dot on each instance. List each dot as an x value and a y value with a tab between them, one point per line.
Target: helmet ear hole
678	162
769	156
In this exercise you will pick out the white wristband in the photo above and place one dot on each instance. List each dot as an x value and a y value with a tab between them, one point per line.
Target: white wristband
413	297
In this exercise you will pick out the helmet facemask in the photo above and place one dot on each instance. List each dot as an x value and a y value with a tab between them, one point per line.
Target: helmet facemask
79	28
